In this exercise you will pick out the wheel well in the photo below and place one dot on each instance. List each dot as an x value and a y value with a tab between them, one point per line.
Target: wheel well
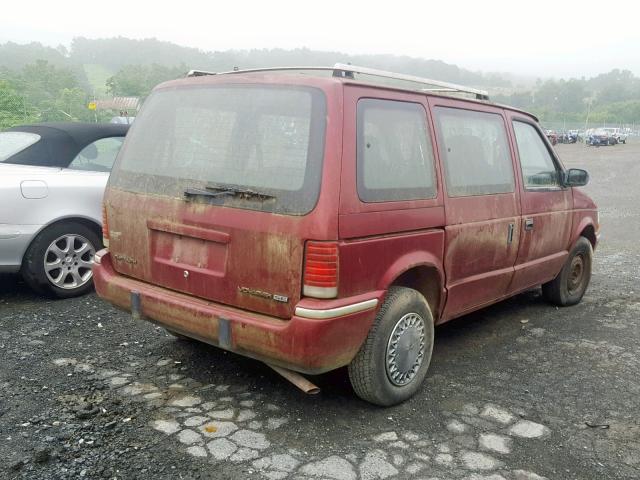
590	234
90	224
425	280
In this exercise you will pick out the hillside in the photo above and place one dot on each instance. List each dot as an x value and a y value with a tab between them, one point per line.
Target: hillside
112	54
34	73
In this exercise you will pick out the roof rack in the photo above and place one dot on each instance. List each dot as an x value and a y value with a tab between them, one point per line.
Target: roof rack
343	70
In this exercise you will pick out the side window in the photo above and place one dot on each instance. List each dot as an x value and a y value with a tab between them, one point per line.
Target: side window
394	152
98	156
14	142
475	152
538	168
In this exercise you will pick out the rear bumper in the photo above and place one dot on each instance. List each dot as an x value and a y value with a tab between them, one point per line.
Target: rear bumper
309	344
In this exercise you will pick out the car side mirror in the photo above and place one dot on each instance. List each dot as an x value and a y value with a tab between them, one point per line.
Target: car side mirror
576	177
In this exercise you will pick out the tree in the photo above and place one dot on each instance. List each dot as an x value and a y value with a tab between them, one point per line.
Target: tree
12	107
44	92
139	80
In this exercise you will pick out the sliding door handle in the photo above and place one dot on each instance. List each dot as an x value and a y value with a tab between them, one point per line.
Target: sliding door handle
510	233
528	224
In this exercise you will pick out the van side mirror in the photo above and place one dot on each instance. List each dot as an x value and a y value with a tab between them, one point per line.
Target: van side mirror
576	177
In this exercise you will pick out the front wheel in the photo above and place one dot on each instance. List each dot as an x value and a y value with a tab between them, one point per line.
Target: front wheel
59	260
393	361
569	286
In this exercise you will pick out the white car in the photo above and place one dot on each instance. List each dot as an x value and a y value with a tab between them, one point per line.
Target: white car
616	133
52	179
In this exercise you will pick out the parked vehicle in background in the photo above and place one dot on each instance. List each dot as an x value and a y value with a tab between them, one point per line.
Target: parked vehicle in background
599	137
617	134
552	136
52	178
317	221
570	136
122	120
583	135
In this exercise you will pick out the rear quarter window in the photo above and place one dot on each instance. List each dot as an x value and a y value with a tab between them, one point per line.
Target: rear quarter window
394	152
15	142
98	156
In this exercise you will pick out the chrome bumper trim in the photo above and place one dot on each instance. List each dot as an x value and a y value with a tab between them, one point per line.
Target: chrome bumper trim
336	312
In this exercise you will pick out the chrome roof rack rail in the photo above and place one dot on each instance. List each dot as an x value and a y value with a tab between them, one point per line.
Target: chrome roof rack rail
343	70
199	73
441	86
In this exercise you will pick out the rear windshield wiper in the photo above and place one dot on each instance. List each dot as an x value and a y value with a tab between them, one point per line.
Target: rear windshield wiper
220	190
239	191
192	192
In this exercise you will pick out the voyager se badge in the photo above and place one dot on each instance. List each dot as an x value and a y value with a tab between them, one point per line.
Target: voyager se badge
125	259
260	293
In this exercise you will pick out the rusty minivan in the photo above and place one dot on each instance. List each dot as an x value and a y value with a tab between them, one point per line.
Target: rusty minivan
319	218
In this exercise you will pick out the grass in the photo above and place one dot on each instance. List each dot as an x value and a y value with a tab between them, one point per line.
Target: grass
97	75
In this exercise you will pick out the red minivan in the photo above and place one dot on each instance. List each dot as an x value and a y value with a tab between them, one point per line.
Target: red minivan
326	217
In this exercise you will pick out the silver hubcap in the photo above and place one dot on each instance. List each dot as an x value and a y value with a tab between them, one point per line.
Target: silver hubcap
405	350
68	261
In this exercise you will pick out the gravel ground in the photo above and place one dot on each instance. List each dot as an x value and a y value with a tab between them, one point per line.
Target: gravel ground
517	391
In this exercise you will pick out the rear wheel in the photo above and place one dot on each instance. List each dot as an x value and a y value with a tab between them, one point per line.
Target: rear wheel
569	286
58	262
393	361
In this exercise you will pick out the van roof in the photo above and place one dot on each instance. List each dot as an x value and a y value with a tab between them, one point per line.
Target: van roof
351	74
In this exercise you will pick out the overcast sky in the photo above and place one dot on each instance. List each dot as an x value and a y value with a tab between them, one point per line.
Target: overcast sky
543	38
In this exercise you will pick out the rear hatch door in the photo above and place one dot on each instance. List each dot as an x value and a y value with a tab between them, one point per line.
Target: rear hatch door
211	191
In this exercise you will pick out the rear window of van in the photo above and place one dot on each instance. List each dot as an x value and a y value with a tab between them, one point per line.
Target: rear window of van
266	139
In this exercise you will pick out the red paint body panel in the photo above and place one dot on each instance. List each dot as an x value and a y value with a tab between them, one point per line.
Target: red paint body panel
585	216
305	345
544	248
385	239
376	262
479	258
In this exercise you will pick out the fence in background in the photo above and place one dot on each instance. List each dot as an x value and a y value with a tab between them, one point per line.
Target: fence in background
564	126
14	110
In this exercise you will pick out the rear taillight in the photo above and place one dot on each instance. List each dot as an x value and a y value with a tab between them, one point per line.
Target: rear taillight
321	270
105	226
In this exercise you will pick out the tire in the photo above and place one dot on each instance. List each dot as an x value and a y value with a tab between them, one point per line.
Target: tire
71	245
370	371
569	286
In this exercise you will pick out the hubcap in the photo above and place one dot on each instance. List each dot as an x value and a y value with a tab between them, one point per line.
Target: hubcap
68	261
405	350
576	274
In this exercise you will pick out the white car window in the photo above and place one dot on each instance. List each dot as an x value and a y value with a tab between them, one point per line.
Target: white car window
14	142
98	156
